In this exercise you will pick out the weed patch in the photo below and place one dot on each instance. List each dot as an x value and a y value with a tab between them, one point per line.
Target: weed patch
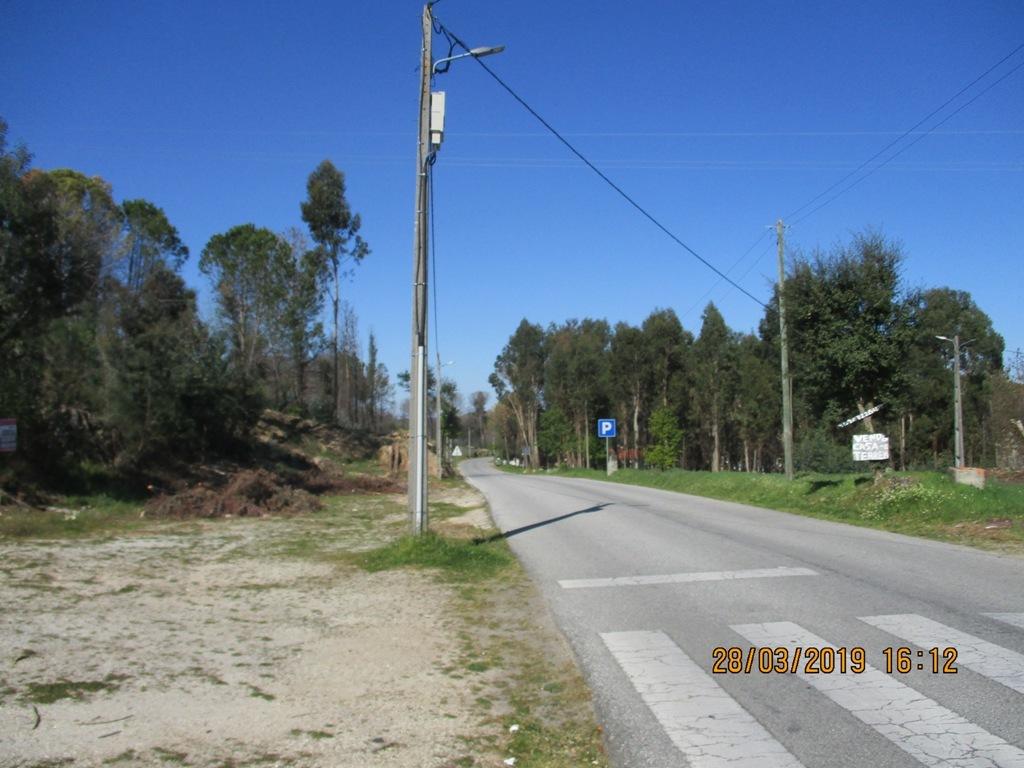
48	693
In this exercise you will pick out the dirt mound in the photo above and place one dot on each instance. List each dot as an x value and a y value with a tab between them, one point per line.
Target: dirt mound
349	443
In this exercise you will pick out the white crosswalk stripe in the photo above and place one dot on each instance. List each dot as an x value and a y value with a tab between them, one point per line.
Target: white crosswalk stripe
988	659
1016	619
706	723
921	727
683	578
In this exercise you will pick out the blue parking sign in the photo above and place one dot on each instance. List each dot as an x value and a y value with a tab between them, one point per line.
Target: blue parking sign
606	428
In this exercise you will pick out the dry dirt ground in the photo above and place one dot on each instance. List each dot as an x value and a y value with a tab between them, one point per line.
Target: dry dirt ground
223	643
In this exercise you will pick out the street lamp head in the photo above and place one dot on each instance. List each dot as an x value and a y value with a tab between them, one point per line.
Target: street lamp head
486	50
441	65
943	338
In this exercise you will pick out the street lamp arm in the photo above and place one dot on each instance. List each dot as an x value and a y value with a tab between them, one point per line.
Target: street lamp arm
476	53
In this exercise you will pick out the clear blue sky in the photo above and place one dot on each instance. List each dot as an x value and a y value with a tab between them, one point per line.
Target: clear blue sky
718	117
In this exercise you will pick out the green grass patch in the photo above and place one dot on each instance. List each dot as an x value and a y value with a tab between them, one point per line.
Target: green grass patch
84	516
258	693
315	735
456	559
124	757
926	504
443	510
170	756
48	693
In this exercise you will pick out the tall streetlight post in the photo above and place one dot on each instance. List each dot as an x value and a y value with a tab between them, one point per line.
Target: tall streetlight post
958	408
431	127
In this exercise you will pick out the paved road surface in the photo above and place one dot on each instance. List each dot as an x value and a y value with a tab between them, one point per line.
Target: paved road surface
646	583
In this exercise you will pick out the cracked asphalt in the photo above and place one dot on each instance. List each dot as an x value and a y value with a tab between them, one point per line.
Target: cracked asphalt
645	584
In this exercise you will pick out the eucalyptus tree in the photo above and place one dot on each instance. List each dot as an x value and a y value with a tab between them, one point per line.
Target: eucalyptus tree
926	412
756	400
714	380
518	380
249	267
666	352
335	229
149	240
627	365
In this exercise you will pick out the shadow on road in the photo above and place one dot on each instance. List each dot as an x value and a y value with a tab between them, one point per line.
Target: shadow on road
542	523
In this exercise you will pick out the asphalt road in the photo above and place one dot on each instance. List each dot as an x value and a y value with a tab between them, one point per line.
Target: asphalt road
645	584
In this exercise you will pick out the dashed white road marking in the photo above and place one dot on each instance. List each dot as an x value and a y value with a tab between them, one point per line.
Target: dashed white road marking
682	578
1016	619
988	659
705	722
919	726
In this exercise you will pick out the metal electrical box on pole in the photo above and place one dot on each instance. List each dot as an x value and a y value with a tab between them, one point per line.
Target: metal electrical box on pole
436	118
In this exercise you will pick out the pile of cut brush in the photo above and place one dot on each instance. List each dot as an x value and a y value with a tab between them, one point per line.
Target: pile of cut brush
262	492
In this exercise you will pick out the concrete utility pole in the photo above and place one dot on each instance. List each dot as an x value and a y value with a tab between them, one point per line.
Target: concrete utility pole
440	433
958	407
958	404
418	379
787	382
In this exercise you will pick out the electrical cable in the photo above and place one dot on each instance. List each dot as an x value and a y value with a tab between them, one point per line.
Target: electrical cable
718	282
643	211
906	133
433	271
908	146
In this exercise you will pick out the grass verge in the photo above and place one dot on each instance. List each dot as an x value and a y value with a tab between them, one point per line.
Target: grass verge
924	504
81	516
460	560
516	666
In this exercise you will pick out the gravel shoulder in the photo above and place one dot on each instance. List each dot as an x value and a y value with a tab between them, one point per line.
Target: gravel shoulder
258	642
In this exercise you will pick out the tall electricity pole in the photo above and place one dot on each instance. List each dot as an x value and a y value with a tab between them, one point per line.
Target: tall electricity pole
440	433
958	406
787	382
418	380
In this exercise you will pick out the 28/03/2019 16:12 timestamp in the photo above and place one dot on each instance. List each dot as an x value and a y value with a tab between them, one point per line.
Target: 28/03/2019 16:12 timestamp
826	660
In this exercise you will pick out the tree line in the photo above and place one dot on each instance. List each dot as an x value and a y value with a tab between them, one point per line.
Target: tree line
105	358
858	338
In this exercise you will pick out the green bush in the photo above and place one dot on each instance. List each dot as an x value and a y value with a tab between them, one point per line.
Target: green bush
817	451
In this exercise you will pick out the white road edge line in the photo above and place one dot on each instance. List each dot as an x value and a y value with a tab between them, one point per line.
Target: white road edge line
710	728
684	578
919	726
1015	619
988	659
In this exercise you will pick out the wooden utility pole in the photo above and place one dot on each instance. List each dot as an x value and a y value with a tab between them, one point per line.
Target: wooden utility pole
787	382
418	378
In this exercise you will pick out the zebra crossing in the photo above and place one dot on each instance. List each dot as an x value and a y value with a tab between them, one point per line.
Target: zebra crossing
713	729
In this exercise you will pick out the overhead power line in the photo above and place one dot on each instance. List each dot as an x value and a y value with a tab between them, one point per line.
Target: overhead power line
908	132
643	211
904	148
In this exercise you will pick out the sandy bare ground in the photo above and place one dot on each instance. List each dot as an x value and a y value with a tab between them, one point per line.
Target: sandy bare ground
208	645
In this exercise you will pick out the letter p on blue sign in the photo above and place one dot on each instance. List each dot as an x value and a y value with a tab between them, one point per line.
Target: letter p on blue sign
606	428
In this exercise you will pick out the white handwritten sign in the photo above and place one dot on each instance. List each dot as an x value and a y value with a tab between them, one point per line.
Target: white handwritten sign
873	447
